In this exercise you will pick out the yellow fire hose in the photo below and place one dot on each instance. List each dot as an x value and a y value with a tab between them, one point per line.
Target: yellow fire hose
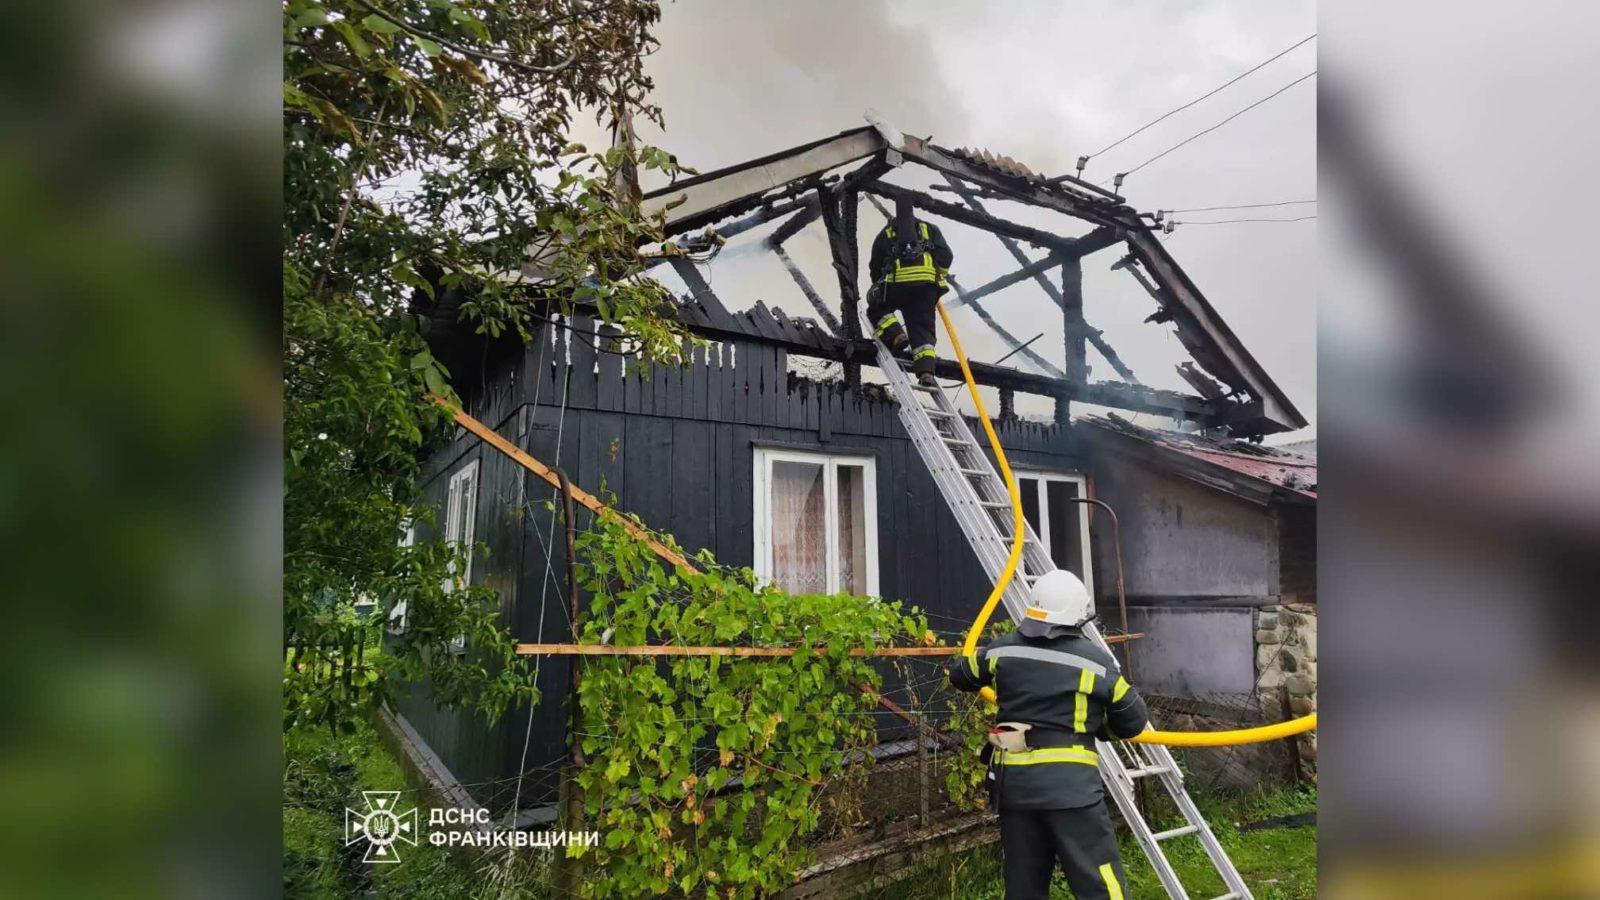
1170	738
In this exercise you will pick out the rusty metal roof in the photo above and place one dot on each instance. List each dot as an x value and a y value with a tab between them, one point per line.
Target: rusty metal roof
1254	470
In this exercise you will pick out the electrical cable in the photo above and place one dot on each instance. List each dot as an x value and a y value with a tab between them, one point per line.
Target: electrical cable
1242	206
1198	99
1219	124
1232	221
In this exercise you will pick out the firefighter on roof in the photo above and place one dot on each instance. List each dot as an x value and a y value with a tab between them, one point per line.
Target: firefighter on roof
909	267
1058	691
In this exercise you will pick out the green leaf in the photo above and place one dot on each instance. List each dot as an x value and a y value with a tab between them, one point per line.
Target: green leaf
311	18
379	24
354	41
429	47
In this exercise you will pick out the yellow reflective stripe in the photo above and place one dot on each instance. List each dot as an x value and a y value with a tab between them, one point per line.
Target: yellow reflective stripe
1050	755
928	354
888	322
1109	876
1119	690
972	663
1080	711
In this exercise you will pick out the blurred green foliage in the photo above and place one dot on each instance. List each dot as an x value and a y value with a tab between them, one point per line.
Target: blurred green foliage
425	151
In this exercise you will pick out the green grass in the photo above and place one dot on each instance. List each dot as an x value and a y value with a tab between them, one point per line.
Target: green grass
1277	863
323	774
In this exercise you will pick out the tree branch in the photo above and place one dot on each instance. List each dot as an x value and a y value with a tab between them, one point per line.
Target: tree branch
465	51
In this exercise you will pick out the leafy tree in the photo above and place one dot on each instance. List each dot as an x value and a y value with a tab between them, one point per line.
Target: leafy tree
425	148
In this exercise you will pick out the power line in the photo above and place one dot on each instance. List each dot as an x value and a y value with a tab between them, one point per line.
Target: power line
1231	221
1219	124
1197	99
1242	206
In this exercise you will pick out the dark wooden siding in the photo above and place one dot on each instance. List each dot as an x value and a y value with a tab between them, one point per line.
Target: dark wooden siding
677	448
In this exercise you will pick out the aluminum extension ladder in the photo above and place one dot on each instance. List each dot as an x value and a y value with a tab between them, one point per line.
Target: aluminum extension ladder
978	498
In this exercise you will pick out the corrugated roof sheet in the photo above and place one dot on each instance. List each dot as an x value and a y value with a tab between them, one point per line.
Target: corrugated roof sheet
1272	466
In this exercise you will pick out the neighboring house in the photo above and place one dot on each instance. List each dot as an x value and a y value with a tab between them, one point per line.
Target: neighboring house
815	484
1219	546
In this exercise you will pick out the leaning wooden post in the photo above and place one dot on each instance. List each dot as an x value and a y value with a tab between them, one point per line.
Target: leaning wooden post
839	218
1074	331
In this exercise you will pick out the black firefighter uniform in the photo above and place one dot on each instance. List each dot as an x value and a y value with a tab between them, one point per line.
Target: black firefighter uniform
1050	798
909	289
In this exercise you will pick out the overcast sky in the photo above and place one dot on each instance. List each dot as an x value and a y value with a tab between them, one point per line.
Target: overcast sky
1042	82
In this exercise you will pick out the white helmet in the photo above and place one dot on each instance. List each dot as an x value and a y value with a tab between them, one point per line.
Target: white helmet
1058	598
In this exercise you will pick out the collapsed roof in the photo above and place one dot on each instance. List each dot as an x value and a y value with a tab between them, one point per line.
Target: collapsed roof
810	183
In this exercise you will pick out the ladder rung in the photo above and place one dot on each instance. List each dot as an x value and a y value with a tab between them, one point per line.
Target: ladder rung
919	386
1232	895
994	504
938	412
1147	771
1174	832
971	472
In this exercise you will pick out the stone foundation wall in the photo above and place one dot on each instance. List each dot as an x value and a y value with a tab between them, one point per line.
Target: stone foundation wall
1286	664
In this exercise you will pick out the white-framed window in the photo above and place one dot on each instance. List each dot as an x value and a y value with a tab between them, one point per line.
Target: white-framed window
399	614
1062	525
460	513
461	509
816	521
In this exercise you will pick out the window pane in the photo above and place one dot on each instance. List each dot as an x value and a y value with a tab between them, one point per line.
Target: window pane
1066	534
799	539
852	529
1029	488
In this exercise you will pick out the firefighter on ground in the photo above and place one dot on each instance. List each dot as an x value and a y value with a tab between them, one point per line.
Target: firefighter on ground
1058	691
910	267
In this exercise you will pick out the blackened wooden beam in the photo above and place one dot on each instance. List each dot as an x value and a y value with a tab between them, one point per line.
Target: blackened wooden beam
842	248
1010	339
1074	331
806	288
803	205
1093	239
983	221
696	283
1004	281
811	213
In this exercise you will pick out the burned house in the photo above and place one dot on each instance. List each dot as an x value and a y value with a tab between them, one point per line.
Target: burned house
814	483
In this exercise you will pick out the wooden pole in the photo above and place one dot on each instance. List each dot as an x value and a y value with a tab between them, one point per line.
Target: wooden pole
676	650
593	503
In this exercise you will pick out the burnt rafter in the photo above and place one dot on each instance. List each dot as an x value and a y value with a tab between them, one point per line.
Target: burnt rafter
804	283
793	179
983	221
1198	322
1095	238
1004	281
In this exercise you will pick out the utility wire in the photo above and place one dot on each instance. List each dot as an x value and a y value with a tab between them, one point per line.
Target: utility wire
1197	99
1220	124
1231	221
1242	206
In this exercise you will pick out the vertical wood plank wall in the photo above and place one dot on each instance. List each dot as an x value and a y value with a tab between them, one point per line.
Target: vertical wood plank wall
676	446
